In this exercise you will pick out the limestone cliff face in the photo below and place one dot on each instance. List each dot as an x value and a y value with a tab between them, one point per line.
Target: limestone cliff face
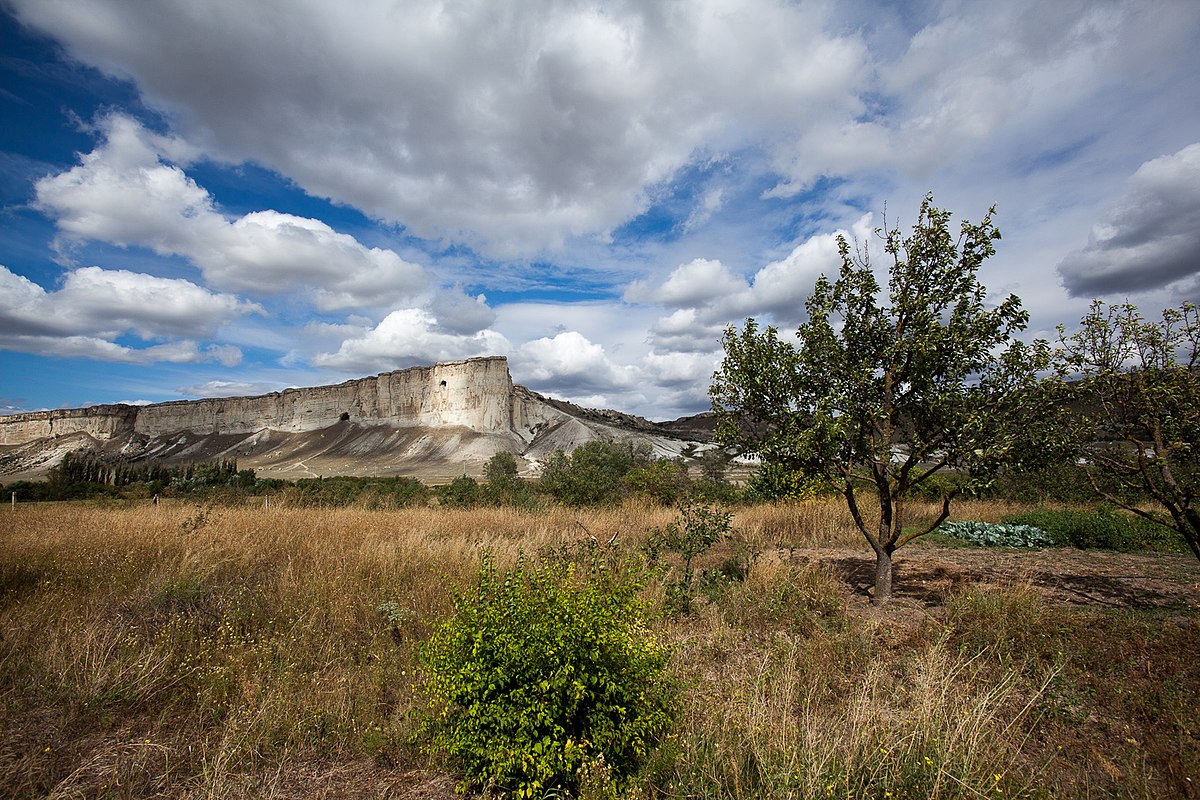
99	422
476	394
437	422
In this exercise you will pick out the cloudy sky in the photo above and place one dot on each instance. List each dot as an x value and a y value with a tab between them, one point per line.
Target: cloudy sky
215	197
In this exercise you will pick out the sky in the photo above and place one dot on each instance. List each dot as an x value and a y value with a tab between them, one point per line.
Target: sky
207	198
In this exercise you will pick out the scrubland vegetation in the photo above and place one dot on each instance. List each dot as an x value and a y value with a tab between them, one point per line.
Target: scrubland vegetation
201	650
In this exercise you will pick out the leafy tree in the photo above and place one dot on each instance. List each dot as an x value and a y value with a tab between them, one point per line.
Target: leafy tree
504	487
661	480
1138	410
881	392
501	468
592	474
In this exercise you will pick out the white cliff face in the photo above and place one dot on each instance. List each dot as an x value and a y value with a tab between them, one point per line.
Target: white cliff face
437	422
99	422
476	394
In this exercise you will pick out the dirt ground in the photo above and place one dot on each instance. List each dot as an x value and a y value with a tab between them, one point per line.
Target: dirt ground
926	574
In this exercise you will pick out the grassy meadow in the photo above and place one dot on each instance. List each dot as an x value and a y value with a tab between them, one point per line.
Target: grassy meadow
199	651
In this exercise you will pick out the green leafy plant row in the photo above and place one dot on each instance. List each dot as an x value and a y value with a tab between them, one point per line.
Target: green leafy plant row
989	534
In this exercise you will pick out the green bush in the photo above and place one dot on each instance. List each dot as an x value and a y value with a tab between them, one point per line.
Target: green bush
775	481
698	528
1104	529
592	474
989	534
462	492
542	671
661	481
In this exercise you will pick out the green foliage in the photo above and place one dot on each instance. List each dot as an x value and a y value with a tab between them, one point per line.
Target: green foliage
661	481
501	468
328	492
1061	482
1104	529
989	534
776	481
542	670
929	369
194	477
697	529
714	463
344	490
83	475
462	492
593	474
503	487
1137	409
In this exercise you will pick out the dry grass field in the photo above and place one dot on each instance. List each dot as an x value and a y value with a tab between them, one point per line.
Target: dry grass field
190	651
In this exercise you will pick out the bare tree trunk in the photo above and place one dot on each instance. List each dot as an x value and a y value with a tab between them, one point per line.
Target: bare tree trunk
883	577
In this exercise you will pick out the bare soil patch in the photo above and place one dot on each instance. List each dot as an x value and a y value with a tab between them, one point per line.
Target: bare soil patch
927	574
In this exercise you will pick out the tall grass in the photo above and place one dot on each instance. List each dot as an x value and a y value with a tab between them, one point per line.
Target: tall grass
193	651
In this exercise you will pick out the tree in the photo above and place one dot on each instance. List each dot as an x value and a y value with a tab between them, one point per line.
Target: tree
593	473
877	399
1137	400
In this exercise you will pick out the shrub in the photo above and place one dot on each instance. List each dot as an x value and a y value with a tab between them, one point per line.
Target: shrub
542	671
462	492
1103	528
661	481
989	534
592	474
775	481
698	528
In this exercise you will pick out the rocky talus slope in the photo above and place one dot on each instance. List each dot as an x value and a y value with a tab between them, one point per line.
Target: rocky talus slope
431	422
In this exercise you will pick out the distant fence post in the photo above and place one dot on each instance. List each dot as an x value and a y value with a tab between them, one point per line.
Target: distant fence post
266	503
14	501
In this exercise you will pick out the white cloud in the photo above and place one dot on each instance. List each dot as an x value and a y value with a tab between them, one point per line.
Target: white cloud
458	313
124	193
224	388
1150	238
91	347
512	126
570	365
706	296
697	283
407	337
95	306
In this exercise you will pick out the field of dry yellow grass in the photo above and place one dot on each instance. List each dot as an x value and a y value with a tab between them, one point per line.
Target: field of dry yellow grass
197	651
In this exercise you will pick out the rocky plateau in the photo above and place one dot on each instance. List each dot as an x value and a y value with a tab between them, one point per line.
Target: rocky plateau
432	422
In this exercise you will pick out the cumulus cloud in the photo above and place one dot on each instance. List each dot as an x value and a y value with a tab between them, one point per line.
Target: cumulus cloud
705	295
220	388
91	347
458	313
1151	236
697	283
123	192
96	306
407	337
513	126
570	365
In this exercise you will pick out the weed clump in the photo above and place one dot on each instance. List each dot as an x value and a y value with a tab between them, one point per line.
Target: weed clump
545	671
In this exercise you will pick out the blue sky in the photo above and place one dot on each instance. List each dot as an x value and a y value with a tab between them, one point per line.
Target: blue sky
226	198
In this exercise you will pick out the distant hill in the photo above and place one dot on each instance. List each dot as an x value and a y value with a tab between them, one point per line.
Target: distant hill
432	422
